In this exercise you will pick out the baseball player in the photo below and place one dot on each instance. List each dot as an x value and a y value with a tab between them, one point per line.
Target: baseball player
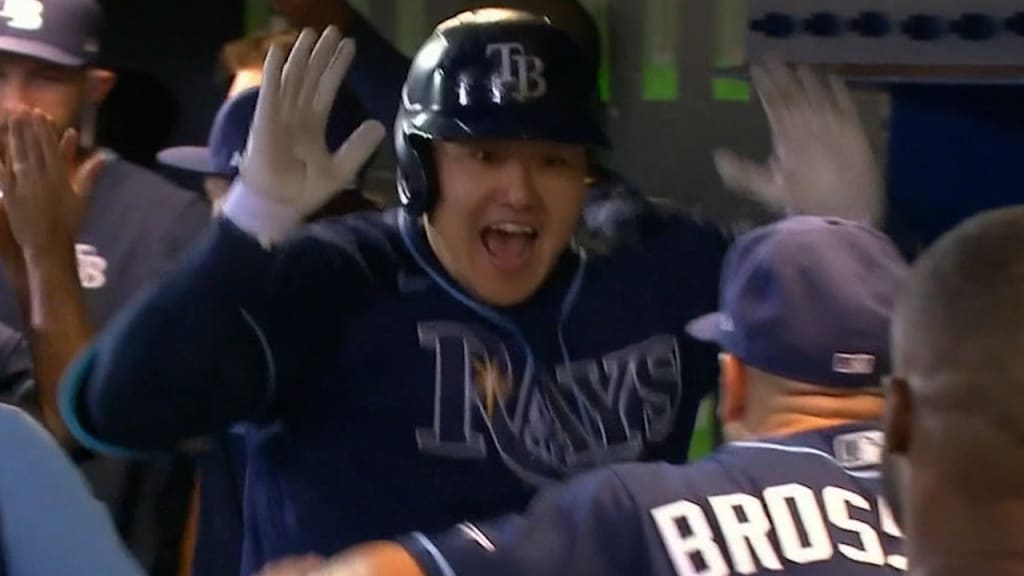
953	423
796	490
438	362
127	225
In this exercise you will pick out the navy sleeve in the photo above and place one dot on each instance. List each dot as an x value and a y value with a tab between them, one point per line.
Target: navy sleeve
588	526
230	336
377	73
50	523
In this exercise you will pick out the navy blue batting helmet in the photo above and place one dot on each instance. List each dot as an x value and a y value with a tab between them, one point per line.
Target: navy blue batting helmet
491	74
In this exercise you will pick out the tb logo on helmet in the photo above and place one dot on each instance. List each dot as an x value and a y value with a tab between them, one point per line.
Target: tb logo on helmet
519	69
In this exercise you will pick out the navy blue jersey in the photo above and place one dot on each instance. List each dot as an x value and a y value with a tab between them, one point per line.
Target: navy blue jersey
135	227
804	504
383	398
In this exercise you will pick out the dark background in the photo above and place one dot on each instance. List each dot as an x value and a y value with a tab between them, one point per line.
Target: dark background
666	111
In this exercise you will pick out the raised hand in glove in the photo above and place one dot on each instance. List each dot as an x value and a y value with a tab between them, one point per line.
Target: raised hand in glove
821	161
287	172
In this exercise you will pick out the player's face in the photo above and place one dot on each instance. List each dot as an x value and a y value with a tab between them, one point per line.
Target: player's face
58	91
506	212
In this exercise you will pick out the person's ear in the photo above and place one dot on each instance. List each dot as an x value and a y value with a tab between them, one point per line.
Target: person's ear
98	84
898	412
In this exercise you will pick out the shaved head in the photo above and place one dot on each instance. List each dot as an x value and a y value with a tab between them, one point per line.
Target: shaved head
958	330
955	410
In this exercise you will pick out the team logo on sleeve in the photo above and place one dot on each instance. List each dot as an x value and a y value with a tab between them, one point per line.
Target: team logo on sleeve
92	268
547	422
519	74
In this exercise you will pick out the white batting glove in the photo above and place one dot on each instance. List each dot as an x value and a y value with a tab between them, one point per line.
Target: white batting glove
821	162
287	173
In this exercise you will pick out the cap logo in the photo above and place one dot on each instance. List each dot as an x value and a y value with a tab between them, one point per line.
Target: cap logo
853	363
523	72
23	14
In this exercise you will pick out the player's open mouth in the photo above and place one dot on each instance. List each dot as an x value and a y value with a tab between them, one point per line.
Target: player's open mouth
509	243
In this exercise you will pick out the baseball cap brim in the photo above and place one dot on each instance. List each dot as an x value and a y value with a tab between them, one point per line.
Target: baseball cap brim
34	49
190	158
706	328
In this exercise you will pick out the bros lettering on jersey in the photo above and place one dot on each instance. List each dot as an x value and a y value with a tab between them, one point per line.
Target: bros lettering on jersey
788	523
547	422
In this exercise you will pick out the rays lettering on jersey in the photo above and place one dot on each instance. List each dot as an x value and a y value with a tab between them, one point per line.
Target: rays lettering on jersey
785	524
549	422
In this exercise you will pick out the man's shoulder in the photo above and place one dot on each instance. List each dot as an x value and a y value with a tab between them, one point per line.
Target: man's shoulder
363	228
834	455
371	239
843	447
124	182
615	223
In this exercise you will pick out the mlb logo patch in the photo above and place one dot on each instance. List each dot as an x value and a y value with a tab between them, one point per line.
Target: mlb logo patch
858	364
859	449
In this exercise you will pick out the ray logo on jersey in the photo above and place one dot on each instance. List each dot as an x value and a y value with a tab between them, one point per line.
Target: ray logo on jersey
547	422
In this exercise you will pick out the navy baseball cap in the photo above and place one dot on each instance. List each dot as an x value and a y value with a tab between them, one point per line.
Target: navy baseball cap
64	32
230	133
808	299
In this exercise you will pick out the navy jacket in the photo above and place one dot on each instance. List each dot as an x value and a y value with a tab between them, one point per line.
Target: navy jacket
384	399
806	504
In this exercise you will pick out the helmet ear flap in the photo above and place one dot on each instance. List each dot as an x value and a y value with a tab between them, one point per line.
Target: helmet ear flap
417	174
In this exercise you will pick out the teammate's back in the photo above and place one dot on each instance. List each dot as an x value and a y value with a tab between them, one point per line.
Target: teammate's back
809	503
796	490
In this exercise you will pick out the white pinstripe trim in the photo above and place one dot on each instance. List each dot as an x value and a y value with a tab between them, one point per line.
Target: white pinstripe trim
803	450
439	558
477	535
271	384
